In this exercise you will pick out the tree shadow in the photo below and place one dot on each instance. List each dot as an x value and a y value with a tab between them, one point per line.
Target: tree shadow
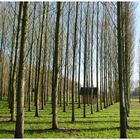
100	129
7	121
37	122
52	130
94	121
133	128
103	116
138	121
133	116
4	117
59	130
5	131
69	130
33	116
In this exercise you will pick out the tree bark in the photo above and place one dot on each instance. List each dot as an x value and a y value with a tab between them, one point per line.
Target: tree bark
92	34
55	69
30	65
74	51
11	69
19	133
14	75
120	70
97	56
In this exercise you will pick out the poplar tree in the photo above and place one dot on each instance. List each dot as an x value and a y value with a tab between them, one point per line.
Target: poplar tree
19	133
55	69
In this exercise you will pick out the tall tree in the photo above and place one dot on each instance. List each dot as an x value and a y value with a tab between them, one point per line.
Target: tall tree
55	68
61	60
127	55
97	54
14	72
43	79
12	107
79	69
66	61
74	51
48	73
101	66
85	61
30	63
19	133
120	70
39	63
92	33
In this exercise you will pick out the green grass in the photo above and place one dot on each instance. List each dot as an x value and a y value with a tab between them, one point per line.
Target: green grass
103	124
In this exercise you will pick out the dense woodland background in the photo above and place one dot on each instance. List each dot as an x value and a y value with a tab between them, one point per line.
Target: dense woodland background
49	50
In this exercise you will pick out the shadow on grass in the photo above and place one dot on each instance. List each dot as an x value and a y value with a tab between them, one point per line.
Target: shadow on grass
137	121
51	130
81	116
4	116
94	121
76	122
133	128
100	129
134	116
7	122
40	116
37	122
5	131
60	130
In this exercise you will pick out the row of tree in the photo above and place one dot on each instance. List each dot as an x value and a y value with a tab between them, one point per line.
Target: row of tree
52	49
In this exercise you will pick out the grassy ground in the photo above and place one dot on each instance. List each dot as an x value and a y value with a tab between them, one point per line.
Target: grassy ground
103	124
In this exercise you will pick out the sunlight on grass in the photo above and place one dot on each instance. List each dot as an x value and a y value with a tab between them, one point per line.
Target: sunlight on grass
103	124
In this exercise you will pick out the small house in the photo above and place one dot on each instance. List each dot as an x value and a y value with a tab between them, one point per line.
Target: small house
88	94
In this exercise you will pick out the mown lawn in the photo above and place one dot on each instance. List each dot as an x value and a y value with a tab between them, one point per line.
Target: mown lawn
103	124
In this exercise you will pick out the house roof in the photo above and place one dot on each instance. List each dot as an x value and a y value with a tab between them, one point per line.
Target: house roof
88	90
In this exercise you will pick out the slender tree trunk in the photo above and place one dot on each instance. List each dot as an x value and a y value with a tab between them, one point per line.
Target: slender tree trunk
55	69
43	79
61	65
120	65
74	51
85	61
30	65
97	56
79	58
39	65
11	64
19	133
14	76
101	67
66	62
48	74
92	33
67	89
127	61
